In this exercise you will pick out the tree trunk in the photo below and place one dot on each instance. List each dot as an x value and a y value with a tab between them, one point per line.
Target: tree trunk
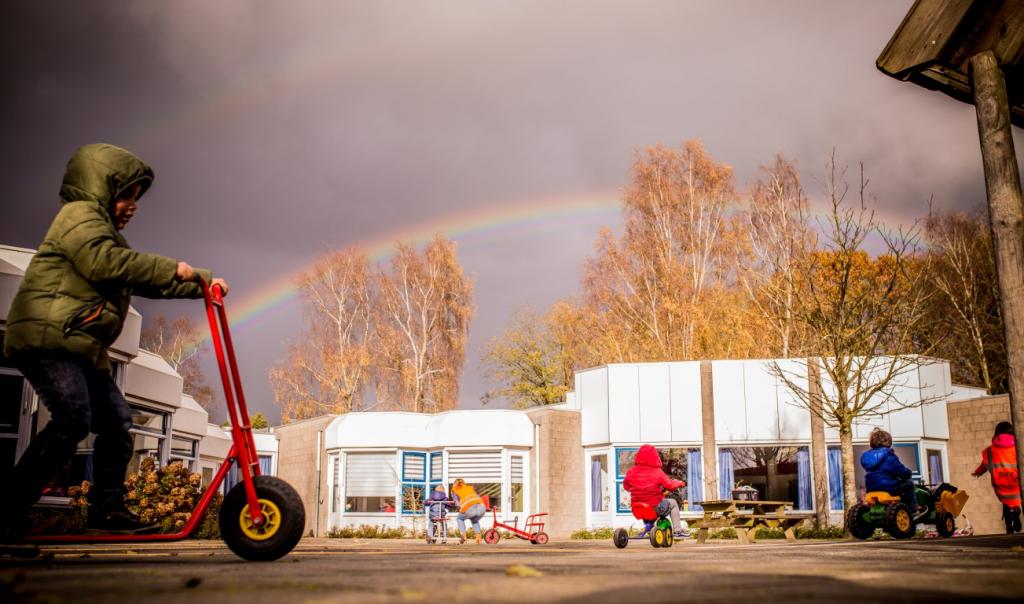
819	449
1006	213
709	455
849	480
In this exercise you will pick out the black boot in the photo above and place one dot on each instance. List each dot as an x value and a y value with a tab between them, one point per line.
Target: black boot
117	519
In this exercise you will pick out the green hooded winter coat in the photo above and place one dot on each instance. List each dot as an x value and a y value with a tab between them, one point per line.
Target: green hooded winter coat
75	294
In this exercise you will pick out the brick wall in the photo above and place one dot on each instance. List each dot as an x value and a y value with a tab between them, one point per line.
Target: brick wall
297	444
971	424
560	464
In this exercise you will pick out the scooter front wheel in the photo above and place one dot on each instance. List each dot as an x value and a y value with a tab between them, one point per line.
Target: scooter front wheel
284	519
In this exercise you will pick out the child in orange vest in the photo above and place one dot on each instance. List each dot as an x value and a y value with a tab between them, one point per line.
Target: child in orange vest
1000	461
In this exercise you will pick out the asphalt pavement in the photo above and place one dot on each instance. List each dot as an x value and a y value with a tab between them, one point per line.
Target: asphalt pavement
352	570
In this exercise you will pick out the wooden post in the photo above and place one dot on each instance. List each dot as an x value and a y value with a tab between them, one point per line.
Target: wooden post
1006	214
819	450
707	414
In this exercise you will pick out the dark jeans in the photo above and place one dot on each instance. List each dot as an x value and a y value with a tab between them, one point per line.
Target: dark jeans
1011	518
81	399
907	494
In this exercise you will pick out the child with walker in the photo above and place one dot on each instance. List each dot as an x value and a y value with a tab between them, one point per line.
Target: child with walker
437	515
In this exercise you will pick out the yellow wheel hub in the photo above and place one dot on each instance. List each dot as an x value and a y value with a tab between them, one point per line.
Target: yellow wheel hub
271	521
903	520
659	536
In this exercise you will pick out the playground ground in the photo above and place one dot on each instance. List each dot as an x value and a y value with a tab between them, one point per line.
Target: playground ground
352	570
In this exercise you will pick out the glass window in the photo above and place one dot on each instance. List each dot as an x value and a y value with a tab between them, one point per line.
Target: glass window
680	463
147	420
490	492
907	452
370	482
11	385
516	491
414	481
775	473
184	450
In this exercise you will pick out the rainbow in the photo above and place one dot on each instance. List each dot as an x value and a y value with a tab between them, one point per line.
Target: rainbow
477	225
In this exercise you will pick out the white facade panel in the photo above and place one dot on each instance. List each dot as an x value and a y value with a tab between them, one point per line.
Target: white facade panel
623	403
935	383
149	377
906	422
730	401
794	416
761	402
684	393
655	402
592	396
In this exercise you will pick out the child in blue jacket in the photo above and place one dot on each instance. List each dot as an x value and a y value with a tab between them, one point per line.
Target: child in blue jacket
437	509
885	471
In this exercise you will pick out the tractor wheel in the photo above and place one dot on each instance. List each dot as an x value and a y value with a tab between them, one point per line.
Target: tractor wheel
539	539
284	519
856	524
899	522
945	524
620	538
491	537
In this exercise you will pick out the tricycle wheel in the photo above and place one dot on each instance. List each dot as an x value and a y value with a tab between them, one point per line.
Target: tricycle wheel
539	539
620	538
491	537
669	537
657	538
899	522
283	514
945	524
856	524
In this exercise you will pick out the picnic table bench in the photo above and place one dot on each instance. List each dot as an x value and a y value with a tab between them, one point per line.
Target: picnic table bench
745	517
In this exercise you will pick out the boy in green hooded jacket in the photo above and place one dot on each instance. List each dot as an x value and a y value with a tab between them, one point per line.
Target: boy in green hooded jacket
69	309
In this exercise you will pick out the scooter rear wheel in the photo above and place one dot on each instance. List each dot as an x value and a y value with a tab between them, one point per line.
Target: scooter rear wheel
284	520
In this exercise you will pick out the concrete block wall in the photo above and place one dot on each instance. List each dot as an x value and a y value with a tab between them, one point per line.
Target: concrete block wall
971	424
560	491
297	452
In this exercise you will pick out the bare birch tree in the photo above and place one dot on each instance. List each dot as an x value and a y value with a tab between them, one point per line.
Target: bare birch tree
780	239
327	371
421	326
860	315
961	268
651	282
178	342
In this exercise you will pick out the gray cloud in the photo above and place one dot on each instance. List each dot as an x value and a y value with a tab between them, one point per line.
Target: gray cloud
278	130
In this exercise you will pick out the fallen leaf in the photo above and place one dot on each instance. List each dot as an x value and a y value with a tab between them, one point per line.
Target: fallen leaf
193	582
522	570
413	595
1018	549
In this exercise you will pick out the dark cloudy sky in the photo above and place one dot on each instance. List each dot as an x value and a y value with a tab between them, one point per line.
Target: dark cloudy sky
281	129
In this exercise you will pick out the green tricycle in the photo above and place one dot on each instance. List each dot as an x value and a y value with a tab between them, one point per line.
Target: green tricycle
938	505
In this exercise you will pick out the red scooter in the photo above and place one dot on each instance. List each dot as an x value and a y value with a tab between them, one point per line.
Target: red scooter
262	517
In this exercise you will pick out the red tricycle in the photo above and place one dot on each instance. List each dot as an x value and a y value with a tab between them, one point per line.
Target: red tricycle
262	517
532	531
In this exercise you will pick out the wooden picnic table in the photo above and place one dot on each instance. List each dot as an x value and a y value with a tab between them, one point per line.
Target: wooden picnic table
745	517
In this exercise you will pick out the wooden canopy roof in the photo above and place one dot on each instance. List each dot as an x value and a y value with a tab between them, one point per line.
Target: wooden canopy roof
932	46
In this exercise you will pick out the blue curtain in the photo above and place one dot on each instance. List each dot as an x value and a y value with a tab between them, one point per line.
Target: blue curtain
694	479
803	478
835	478
265	464
725	474
596	492
935	469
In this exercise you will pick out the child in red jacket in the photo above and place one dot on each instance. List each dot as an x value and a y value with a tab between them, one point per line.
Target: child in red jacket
645	482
